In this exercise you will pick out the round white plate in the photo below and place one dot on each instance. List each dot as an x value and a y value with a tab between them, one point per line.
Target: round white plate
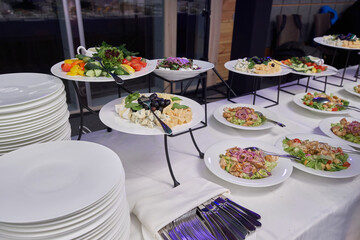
27	124
352	171
320	40
175	75
57	71
279	174
20	88
325	127
329	72
218	114
297	100
31	105
111	119
51	180
350	89
230	66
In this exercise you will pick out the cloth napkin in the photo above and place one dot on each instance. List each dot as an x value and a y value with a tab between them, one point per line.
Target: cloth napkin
155	212
318	61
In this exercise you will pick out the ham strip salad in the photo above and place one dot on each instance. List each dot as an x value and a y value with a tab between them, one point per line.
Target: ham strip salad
247	164
243	116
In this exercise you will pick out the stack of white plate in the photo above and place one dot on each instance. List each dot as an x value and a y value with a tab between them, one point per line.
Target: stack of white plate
63	190
33	109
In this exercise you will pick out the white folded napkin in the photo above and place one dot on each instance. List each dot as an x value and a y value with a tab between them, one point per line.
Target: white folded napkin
157	211
317	60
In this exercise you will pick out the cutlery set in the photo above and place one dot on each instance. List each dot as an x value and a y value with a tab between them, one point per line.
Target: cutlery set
216	219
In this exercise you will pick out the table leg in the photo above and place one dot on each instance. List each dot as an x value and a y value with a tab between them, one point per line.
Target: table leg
346	63
201	154
254	89
81	126
307	84
176	183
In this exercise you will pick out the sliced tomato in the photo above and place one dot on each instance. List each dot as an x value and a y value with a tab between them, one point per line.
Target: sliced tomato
125	61
137	58
137	66
308	64
297	140
144	64
334	109
346	164
329	162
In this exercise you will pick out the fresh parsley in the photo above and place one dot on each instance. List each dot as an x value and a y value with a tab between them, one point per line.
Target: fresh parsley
178	106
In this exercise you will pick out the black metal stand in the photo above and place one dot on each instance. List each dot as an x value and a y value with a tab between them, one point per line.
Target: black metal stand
256	82
343	74
306	86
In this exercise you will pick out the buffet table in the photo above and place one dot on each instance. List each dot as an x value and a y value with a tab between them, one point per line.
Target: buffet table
303	207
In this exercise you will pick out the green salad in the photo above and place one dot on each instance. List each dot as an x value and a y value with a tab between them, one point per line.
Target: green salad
349	131
335	103
247	164
317	155
243	116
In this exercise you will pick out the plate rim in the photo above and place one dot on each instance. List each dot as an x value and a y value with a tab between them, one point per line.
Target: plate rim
320	40
311	171
288	167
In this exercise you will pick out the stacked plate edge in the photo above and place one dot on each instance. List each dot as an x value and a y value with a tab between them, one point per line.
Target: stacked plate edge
63	190
33	109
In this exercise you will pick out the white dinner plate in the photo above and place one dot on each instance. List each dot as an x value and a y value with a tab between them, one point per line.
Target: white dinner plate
230	66
320	40
35	126
325	127
297	100
218	114
20	88
350	89
175	75
111	119
57	71
329	72
13	137
26	115
34	105
352	171
46	181
279	174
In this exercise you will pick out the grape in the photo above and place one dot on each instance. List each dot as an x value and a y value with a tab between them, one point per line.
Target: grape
153	96
167	102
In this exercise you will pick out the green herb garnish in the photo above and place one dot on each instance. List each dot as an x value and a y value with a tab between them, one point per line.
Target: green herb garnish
178	106
134	106
175	99
131	97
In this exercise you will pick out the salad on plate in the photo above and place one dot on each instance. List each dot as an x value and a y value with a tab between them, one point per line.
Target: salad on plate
307	64
247	164
256	65
118	60
349	131
317	155
335	103
244	116
177	64
357	88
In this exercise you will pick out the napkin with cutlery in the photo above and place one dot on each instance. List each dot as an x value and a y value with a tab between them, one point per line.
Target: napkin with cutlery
157	211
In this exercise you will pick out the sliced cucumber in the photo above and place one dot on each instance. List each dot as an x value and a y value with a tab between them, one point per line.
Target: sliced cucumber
92	66
90	73
119	71
97	72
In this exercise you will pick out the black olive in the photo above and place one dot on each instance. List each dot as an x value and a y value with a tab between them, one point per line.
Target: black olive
156	104
153	96
162	103
273	65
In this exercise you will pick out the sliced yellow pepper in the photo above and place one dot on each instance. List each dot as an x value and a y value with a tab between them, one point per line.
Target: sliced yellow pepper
69	61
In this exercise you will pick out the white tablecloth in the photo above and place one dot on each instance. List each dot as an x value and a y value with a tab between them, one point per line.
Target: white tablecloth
303	207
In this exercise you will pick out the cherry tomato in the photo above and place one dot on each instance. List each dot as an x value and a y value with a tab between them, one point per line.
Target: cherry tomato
346	164
334	109
297	140
309	93
329	162
125	61
66	67
143	63
137	66
308	64
137	58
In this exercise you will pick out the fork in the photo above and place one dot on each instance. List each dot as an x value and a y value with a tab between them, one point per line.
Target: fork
146	101
117	79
